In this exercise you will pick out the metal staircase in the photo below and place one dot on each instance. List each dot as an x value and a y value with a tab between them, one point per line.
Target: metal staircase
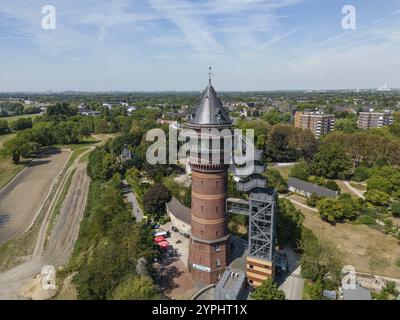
261	206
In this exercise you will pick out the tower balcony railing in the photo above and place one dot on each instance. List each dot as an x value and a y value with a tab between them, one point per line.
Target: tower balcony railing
249	170
240	158
252	184
237	206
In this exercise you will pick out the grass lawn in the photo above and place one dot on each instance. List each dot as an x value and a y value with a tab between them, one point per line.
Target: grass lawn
8	170
13	118
284	171
5	137
358	186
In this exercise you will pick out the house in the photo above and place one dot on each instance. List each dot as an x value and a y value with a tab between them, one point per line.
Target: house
131	109
83	111
126	155
180	215
307	189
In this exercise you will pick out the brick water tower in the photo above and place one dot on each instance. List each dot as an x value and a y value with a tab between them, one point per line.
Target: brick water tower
209	247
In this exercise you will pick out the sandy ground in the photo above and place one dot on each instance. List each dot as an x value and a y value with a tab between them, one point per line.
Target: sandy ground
61	240
22	198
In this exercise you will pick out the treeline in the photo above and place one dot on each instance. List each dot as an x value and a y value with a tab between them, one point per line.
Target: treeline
280	142
44	134
367	148
113	253
61	124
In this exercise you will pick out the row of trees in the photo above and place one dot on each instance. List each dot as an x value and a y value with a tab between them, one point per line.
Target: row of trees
44	134
113	253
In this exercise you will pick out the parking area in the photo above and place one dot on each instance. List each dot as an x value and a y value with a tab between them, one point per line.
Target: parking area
178	242
175	280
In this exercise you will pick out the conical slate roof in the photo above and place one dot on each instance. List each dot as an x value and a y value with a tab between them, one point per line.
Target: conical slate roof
210	111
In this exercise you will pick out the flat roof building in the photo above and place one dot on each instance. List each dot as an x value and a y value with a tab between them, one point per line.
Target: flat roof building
318	122
371	119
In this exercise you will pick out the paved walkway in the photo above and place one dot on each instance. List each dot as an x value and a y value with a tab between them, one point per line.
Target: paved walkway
137	211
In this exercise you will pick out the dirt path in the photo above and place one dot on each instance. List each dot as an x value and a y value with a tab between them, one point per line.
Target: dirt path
357	192
62	239
21	200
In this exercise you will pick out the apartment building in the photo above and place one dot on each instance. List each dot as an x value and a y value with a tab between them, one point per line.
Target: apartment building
371	119
318	122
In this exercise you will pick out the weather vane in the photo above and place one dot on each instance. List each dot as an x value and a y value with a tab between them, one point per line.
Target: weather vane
209	73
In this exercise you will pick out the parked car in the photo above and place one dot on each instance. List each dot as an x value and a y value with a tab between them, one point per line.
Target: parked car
174	229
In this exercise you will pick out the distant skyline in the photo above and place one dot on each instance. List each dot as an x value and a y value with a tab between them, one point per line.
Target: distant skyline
168	45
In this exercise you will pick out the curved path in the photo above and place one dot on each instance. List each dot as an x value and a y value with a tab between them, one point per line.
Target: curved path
61	239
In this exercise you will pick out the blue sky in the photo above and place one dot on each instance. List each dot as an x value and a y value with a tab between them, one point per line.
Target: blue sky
134	45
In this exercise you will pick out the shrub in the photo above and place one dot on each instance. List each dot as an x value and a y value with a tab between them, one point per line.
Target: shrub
332	185
360	174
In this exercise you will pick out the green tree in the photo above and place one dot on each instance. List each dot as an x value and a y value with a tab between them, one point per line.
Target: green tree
319	258
376	197
377	182
136	288
332	162
154	200
301	170
312	200
332	185
276	181
275	116
339	210
360	174
4	127
21	124
102	165
289	223
268	290
395	207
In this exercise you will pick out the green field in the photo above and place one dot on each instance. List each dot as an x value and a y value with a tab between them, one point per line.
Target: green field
13	118
5	137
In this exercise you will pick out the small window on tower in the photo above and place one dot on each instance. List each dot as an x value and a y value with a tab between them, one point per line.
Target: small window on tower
217	209
216	183
217	233
201	182
202	208
218	262
202	232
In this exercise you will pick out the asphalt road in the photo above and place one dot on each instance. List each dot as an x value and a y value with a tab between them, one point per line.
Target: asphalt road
21	200
131	197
